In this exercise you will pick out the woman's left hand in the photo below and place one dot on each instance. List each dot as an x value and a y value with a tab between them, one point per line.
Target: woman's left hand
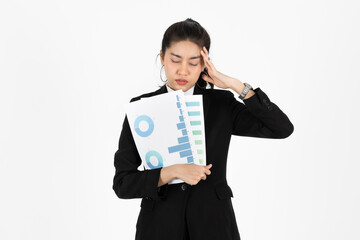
217	78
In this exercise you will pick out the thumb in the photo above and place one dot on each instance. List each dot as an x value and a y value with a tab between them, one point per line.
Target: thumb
206	78
209	166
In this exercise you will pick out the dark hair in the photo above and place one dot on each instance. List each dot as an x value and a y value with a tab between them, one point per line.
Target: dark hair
188	30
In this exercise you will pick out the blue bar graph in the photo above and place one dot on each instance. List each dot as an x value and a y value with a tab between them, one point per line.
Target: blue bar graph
180	125
186	153
184	147
183	139
179	147
194	113
191	104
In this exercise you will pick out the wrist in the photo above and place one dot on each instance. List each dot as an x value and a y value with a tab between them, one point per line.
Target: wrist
166	175
237	86
173	171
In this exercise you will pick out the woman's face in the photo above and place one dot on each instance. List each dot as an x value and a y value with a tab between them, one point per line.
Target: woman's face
182	61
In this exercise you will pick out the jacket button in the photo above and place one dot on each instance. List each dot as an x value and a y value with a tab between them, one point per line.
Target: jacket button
183	186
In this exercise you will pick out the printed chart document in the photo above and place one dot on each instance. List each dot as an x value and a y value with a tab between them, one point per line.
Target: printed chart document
168	129
195	113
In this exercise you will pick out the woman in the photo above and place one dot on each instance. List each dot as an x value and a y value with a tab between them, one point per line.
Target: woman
200	207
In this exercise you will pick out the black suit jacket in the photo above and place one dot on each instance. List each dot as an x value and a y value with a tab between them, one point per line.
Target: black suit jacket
210	199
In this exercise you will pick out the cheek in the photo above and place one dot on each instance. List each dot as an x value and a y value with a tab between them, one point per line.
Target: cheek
197	69
171	66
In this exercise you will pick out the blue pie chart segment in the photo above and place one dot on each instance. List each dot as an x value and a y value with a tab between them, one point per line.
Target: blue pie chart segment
150	123
157	156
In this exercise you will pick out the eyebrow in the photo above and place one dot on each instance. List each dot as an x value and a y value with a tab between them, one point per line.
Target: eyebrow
181	57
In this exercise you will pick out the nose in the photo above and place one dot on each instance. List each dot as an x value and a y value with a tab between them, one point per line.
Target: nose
184	69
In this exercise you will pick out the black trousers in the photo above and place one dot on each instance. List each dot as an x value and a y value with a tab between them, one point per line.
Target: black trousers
177	221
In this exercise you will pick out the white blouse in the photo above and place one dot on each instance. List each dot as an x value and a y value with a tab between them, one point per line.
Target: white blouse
188	92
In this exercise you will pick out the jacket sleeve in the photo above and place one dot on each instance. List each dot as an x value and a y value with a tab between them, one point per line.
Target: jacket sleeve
259	117
128	181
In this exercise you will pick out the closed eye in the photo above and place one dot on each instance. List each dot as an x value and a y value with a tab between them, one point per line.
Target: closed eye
190	63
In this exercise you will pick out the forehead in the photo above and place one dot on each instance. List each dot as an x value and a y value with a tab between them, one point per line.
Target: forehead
184	49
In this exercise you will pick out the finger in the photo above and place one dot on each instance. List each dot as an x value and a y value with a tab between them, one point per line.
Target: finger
205	57
206	78
210	65
206	53
207	62
205	50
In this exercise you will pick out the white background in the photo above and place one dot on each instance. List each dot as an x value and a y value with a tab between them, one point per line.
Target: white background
67	68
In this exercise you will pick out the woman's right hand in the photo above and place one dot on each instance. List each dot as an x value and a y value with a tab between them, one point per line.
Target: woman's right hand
191	173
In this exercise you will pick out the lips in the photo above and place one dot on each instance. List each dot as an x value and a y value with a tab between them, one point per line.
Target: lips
181	81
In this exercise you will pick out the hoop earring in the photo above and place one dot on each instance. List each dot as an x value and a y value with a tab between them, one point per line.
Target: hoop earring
206	83
160	74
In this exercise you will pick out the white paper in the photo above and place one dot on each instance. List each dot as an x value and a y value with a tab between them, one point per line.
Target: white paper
163	131
194	105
